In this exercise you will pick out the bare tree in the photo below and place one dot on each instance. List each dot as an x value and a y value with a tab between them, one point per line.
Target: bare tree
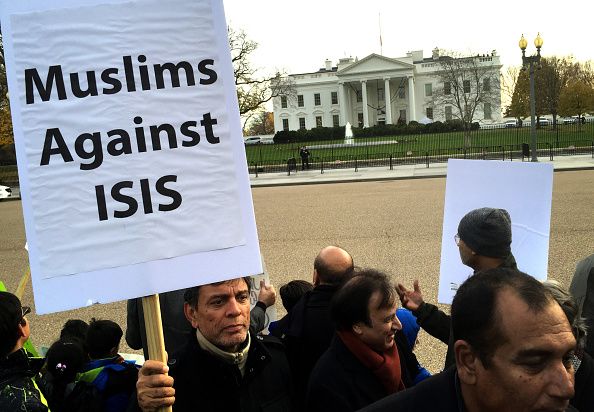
3	81
467	84
253	91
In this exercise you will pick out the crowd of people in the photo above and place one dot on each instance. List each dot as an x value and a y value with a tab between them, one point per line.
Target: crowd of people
513	343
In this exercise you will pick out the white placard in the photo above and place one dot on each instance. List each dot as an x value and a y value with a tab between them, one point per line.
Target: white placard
523	189
131	160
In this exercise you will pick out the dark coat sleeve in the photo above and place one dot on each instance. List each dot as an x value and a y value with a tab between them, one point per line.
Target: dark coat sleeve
133	334
434	321
258	318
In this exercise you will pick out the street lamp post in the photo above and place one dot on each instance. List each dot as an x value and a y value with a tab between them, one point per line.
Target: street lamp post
530	62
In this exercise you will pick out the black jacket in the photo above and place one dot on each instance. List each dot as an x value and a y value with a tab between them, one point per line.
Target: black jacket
439	325
340	382
205	383
437	393
584	385
440	392
18	391
309	333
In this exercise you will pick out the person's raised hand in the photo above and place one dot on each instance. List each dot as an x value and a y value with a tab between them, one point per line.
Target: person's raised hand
411	299
154	387
267	294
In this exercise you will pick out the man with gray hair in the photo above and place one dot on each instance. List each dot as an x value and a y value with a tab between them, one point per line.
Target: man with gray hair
484	240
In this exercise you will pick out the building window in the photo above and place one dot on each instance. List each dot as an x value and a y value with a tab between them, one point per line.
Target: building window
359	96
302	122
360	119
380	95
448	113
334	97
284	102
401	93
286	125
429	113
486	84
402	117
300	100
335	120
466	85
447	88
317	100
487	111
428	89
318	121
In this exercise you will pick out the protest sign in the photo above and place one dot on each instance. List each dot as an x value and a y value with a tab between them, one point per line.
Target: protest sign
130	152
523	189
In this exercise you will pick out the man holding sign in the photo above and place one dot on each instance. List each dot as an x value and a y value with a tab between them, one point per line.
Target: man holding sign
222	367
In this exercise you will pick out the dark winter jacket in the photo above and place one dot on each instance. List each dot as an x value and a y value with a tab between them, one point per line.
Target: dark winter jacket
18	390
340	382
584	384
205	383
309	333
439	325
440	392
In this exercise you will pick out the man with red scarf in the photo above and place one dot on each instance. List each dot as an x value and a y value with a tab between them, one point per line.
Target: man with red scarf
369	357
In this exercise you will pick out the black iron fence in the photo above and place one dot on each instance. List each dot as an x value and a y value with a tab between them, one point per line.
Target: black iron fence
497	143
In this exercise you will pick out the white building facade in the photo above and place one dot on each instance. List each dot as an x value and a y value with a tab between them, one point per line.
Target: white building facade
373	91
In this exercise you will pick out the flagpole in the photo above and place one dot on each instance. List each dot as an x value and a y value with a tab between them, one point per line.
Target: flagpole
380	33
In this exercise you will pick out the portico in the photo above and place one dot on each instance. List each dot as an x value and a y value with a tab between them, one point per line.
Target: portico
370	90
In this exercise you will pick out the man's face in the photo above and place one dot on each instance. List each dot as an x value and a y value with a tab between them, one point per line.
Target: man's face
531	371
222	314
466	254
384	323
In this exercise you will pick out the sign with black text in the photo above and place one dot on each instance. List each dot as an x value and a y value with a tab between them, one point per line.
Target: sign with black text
129	147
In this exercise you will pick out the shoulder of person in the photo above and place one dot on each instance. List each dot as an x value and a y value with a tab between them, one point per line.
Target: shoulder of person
270	342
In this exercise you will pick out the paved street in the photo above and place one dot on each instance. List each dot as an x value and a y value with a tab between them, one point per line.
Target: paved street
393	225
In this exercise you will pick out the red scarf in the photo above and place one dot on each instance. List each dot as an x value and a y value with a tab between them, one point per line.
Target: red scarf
385	366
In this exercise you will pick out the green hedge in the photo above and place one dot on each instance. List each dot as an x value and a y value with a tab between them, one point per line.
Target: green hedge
337	133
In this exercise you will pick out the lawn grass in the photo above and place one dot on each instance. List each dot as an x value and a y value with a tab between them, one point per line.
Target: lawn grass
419	145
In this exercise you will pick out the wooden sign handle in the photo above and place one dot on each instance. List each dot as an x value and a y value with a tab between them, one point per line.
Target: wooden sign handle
154	333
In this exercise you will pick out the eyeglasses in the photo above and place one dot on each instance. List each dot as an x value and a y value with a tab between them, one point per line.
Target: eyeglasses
25	310
457	239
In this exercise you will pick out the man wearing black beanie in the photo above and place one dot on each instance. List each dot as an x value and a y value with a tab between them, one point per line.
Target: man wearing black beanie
484	240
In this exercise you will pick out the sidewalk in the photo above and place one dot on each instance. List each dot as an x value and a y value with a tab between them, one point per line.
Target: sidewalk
419	171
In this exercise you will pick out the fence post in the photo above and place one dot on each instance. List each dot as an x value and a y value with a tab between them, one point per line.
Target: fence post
256	168
592	149
503	152
356	165
322	165
427	159
391	165
288	167
551	152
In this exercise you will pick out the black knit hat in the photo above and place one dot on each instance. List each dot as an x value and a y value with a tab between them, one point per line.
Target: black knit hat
487	231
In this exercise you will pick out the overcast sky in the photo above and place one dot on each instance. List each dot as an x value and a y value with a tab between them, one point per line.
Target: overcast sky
299	35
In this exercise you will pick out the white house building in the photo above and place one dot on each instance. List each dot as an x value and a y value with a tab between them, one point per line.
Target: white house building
376	90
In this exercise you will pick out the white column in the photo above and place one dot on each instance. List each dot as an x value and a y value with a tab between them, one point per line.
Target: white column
365	112
342	103
388	100
411	99
348	106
